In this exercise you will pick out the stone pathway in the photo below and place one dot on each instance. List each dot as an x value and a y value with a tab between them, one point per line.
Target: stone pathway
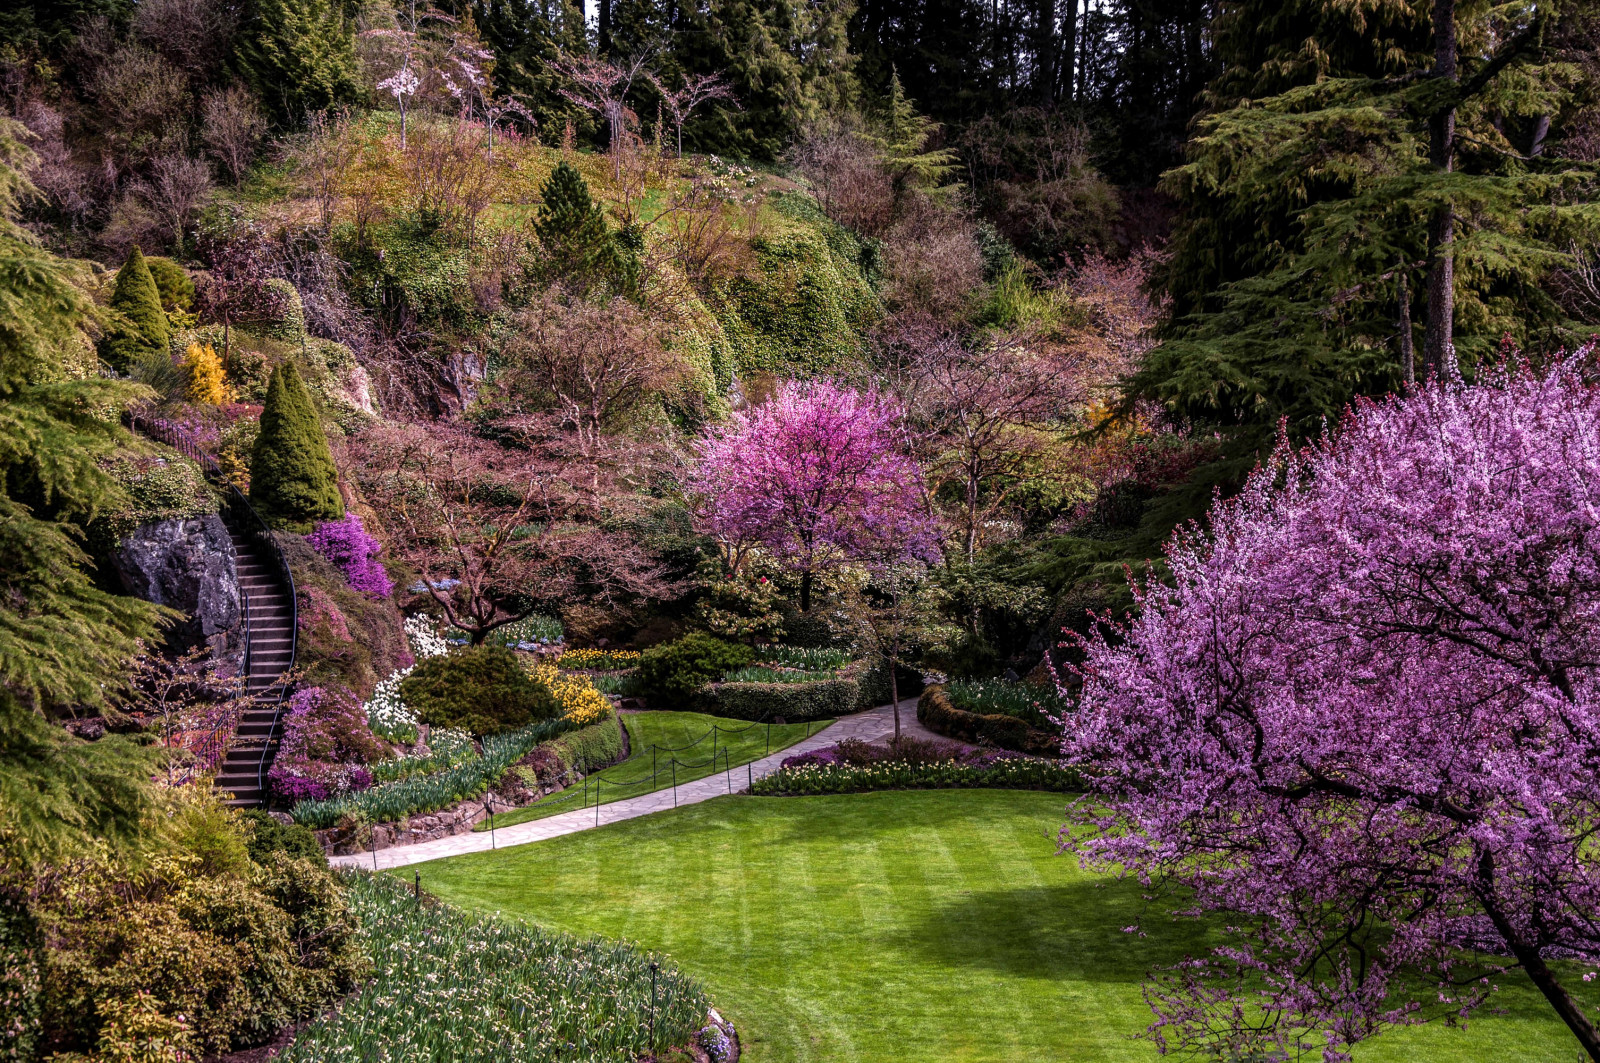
870	726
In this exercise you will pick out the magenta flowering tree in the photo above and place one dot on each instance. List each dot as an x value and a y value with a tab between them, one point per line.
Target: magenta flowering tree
820	475
348	545
1363	722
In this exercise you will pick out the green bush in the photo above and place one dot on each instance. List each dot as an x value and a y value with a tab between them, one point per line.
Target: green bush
874	680
937	714
171	962
596	746
141	329
671	674
293	481
820	700
173	285
268	836
483	690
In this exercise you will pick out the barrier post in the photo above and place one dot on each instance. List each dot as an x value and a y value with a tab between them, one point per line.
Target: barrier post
769	736
727	773
419	888
674	782
750	775
597	802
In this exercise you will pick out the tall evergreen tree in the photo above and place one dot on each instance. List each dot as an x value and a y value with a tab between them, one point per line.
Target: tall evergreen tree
299	56
293	481
141	329
1311	221
64	643
579	249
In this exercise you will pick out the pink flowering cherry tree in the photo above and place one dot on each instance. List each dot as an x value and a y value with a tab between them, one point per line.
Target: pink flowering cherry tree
1363	722
819	475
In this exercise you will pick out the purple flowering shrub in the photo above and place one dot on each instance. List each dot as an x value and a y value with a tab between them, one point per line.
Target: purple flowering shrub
346	543
326	747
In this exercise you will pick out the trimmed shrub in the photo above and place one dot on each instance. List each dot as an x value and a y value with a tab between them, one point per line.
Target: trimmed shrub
670	675
1019	774
481	689
788	701
874	680
596	746
937	714
142	330
173	285
293	481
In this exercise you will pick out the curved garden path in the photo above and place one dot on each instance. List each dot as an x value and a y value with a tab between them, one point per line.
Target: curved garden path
869	726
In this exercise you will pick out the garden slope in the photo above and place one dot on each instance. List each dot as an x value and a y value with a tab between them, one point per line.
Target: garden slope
916	927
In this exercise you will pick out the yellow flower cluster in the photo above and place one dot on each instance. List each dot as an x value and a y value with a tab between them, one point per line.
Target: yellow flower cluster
600	660
580	701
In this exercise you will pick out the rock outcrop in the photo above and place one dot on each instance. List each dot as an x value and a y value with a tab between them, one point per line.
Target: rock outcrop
188	565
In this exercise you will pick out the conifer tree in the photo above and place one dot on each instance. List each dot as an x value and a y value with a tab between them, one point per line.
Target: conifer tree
64	643
142	330
299	56
572	230
293	481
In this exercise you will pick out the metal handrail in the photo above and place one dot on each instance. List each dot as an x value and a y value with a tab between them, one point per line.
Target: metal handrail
184	443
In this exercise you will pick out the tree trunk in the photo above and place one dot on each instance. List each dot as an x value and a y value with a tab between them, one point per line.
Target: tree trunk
603	26
1408	357
1069	51
1541	130
1539	973
1438	347
805	591
1044	52
894	696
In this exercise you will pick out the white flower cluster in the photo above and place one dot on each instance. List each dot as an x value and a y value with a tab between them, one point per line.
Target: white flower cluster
387	715
424	638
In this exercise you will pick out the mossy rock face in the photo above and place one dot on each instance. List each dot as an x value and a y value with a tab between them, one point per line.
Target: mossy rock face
804	309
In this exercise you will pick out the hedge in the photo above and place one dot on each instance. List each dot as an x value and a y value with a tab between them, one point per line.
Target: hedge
861	685
1018	774
935	712
583	750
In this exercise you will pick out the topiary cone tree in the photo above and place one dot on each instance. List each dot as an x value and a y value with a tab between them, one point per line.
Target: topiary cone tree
293	481
142	330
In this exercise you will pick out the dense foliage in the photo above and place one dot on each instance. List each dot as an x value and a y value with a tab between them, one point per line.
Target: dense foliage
672	673
480	689
293	481
1362	719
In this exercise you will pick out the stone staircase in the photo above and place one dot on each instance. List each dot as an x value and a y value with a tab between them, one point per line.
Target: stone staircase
269	652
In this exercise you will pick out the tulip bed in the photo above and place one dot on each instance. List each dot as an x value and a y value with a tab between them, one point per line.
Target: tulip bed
449	985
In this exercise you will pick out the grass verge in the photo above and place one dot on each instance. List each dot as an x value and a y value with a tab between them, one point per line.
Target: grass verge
684	736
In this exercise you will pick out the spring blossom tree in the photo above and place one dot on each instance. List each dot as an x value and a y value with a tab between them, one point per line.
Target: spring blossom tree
1363	721
820	476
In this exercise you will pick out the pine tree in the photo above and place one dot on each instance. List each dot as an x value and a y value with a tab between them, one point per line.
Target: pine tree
141	331
293	481
299	56
579	249
64	643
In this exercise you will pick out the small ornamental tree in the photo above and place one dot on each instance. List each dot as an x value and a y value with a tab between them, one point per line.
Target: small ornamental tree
572	230
142	331
293	481
1364	721
819	476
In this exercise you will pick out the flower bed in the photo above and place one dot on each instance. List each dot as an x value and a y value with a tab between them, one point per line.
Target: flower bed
427	793
449	985
1021	773
599	660
1039	708
853	766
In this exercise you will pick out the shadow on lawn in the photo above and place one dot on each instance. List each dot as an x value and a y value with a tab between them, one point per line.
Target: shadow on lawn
1071	931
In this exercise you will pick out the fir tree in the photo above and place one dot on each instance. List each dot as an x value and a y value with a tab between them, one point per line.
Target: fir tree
141	329
579	249
299	56
293	481
64	643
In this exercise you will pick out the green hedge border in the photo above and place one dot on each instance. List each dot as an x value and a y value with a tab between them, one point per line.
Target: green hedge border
936	712
861	685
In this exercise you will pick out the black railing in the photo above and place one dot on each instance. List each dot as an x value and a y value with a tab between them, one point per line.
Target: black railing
249	522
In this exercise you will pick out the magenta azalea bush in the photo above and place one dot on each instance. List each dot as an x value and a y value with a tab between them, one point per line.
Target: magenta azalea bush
819	475
346	543
1363	721
325	748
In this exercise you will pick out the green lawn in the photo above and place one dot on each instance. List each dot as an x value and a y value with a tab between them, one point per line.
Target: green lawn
887	927
684	736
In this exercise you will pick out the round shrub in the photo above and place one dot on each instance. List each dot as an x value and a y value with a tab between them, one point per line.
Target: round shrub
481	689
672	673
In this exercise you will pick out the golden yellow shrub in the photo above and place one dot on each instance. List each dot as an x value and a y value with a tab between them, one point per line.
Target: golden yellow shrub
207	383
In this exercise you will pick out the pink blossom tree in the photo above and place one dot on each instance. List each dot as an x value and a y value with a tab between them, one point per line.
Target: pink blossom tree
820	476
1363	721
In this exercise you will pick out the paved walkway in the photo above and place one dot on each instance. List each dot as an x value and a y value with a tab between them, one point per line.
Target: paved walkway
870	726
